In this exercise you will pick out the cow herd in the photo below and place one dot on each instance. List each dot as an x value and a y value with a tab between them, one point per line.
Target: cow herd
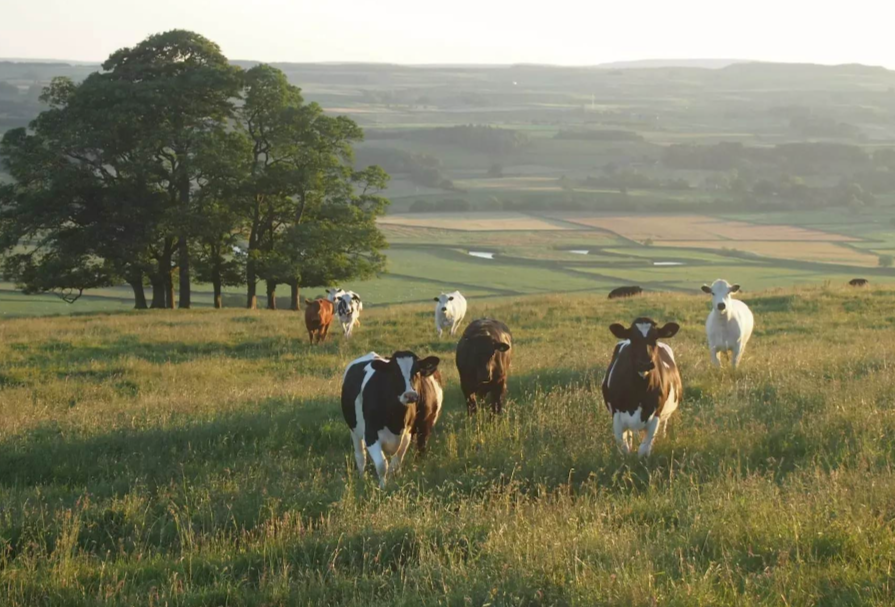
388	402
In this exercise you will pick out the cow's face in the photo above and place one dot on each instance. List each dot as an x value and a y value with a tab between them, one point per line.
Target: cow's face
486	359
720	292
334	293
404	371
643	336
443	301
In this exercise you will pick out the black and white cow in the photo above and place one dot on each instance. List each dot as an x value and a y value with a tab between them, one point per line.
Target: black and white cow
386	402
348	308
642	387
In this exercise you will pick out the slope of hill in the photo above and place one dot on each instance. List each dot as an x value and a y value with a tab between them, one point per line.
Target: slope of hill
200	458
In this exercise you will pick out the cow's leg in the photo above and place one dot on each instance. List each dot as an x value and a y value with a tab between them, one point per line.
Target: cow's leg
398	457
311	337
621	434
497	399
471	404
324	332
664	423
738	350
714	352
646	446
360	456
380	462
439	329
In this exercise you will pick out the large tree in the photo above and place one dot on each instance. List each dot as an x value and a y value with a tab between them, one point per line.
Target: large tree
299	173
182	91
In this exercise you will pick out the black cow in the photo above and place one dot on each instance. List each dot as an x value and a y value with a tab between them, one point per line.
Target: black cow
483	360
858	282
387	401
642	387
625	292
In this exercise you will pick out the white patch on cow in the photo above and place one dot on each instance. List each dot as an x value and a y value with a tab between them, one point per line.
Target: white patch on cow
379	460
644	327
439	396
646	445
389	441
405	363
670	404
623	345
668	351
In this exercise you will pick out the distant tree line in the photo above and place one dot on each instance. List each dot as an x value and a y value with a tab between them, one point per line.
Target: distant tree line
599	135
172	165
420	169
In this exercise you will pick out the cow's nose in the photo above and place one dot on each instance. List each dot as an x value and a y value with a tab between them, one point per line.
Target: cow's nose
722	306
444	309
411	397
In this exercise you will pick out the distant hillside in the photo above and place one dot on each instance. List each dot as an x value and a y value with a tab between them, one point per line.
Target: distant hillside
709	64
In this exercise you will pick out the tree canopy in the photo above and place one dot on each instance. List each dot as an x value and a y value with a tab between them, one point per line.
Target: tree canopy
174	160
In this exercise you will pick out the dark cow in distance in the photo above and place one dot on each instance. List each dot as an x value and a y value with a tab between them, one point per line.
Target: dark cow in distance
388	401
858	282
483	360
318	318
642	387
621	292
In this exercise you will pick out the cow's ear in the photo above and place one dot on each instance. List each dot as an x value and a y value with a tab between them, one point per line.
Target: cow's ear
619	331
355	297
428	365
308	301
669	330
734	288
502	346
707	289
379	365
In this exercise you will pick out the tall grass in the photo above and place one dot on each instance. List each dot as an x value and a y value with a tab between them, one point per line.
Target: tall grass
200	459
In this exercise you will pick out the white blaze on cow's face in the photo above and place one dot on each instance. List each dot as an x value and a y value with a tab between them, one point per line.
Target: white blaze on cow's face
405	364
720	292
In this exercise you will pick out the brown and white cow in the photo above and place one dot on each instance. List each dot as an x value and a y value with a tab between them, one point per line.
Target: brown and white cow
483	361
318	318
642	387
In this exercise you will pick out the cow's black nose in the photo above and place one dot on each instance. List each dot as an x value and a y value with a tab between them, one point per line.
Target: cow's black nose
444	309
722	306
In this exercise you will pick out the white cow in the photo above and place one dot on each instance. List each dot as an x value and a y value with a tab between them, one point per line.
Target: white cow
450	308
348	307
729	325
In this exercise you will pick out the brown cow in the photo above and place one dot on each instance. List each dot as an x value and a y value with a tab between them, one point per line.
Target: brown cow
318	317
483	360
858	282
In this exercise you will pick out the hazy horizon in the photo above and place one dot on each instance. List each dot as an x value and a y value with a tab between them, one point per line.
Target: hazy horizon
472	33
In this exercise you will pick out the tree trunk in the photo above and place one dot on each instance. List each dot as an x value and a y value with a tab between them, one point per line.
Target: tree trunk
271	295
183	260
169	289
139	294
218	299
293	297
251	286
158	291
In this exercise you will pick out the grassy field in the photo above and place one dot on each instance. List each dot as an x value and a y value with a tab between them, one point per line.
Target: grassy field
200	458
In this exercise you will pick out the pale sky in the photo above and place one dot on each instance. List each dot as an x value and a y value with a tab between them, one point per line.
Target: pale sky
564	32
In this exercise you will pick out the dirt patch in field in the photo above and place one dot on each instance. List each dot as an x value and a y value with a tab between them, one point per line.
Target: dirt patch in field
472	222
824	252
690	228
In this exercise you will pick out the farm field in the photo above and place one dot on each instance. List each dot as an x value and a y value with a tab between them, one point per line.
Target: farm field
199	457
575	253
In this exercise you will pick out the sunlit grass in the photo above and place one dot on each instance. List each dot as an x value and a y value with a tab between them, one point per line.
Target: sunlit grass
200	458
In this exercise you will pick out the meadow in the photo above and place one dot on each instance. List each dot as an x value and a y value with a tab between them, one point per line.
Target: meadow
199	458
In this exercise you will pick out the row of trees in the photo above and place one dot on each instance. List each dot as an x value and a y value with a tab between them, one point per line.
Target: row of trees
172	162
